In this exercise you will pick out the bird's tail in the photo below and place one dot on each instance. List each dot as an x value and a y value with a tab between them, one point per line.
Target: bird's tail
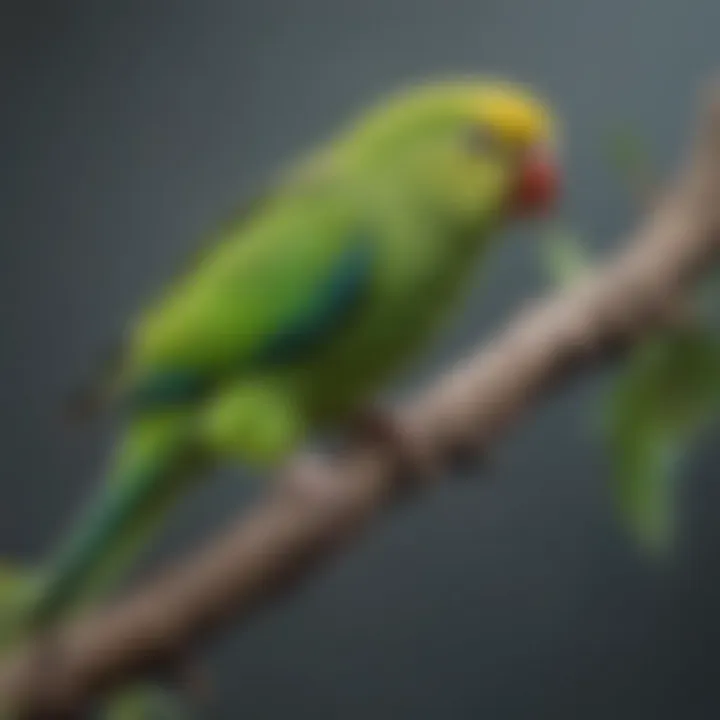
152	468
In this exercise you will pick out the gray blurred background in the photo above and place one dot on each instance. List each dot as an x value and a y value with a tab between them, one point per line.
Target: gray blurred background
126	128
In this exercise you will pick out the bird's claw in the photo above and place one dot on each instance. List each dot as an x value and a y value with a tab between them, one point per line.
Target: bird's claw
413	457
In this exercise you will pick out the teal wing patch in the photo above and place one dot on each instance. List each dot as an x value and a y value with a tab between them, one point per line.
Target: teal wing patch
330	308
168	387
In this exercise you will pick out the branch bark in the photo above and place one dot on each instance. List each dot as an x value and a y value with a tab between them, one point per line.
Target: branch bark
315	508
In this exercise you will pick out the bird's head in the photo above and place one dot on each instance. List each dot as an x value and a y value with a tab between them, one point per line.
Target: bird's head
475	149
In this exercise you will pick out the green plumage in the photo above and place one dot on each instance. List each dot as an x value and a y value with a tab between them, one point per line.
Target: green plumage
294	314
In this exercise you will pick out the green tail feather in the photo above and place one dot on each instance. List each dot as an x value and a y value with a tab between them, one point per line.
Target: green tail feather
153	467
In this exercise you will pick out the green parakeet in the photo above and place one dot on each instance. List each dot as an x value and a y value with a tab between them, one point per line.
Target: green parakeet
296	312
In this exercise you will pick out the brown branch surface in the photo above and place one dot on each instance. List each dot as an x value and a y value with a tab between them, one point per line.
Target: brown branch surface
314	509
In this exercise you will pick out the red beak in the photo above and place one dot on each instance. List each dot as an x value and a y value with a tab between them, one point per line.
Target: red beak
538	184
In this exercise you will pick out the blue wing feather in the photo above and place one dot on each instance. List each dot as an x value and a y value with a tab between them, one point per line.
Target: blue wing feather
330	309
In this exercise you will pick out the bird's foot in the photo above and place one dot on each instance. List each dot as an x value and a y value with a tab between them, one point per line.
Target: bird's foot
414	457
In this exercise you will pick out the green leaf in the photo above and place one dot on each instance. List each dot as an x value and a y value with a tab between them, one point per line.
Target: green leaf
563	255
18	587
145	702
663	399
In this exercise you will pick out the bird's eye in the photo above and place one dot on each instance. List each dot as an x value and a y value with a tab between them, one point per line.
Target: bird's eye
479	140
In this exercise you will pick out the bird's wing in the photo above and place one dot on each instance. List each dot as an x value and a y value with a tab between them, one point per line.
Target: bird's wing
98	388
269	297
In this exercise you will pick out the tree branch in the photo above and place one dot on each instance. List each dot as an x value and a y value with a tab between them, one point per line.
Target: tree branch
314	509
